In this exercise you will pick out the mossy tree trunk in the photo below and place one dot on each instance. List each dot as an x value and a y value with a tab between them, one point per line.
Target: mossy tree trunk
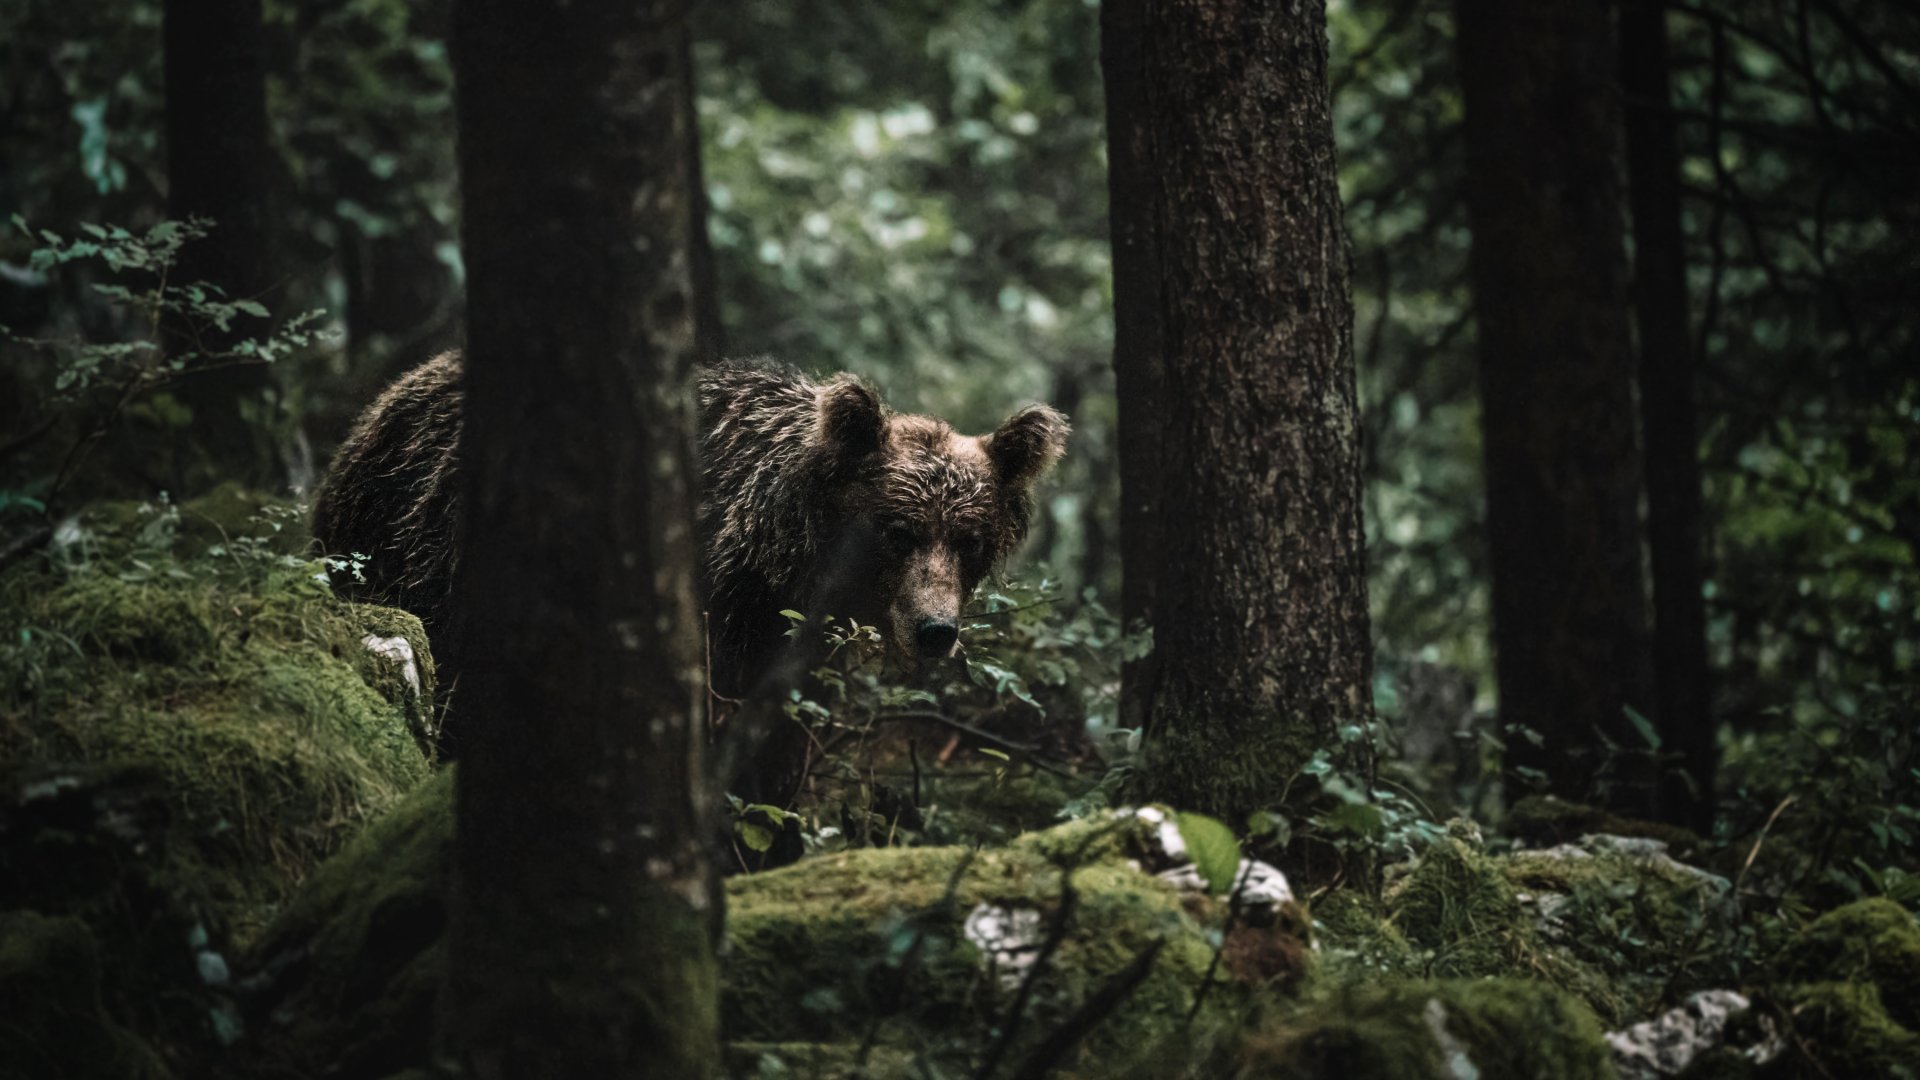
219	167
1668	417
1549	300
585	905
1231	267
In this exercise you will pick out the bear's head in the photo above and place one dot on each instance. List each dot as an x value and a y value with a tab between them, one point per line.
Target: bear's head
926	512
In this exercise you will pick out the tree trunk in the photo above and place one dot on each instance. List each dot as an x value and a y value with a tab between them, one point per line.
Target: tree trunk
219	167
1256	572
1133	193
1547	274
585	903
1668	420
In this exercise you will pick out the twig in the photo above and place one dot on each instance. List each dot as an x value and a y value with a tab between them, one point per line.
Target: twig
1213	965
1088	1016
1030	752
912	958
1754	852
25	544
1056	933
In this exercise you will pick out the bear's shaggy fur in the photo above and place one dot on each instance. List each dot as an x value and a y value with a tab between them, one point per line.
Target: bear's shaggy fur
816	498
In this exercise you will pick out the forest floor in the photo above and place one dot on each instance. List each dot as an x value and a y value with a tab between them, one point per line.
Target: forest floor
225	850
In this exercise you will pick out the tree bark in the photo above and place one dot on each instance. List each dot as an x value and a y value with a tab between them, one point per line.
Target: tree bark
220	167
1133	193
1668	420
1555	359
1256	571
585	902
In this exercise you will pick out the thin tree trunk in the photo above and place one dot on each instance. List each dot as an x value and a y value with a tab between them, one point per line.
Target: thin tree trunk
1668	419
219	167
585	902
1549	299
1258	573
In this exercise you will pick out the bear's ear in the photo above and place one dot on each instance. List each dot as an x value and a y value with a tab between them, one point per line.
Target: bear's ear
852	421
1027	445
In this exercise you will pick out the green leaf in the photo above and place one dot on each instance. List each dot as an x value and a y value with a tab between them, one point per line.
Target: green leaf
757	837
1211	845
1645	727
792	614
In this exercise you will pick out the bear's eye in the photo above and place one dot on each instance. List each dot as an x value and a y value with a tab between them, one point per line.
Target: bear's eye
899	535
971	549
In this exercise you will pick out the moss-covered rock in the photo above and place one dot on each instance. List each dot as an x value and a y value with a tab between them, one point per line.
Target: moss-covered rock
191	723
1358	941
192	646
53	1025
1843	1029
1546	820
353	964
1649	926
1464	915
1494	1029
818	950
1620	925
920	949
1872	942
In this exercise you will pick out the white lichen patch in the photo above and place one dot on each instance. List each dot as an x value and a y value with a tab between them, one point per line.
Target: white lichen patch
1165	847
1642	848
1257	886
1459	1065
1667	1044
1009	938
398	651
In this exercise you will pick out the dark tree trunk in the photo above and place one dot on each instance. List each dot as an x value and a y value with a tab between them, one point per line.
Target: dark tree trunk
1258	585
1133	196
585	902
219	167
1668	420
1549	298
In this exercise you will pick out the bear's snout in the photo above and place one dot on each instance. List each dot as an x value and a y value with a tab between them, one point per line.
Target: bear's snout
934	638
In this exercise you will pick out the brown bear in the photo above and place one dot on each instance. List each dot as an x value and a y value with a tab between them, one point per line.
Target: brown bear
816	498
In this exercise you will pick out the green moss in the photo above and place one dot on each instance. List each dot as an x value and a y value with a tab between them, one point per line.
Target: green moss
1461	909
1646	925
227	672
1492	1028
817	949
368	931
1843	1029
815	953
1357	940
1872	942
52	1023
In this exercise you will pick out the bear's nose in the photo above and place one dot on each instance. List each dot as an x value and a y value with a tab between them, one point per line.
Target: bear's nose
935	637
